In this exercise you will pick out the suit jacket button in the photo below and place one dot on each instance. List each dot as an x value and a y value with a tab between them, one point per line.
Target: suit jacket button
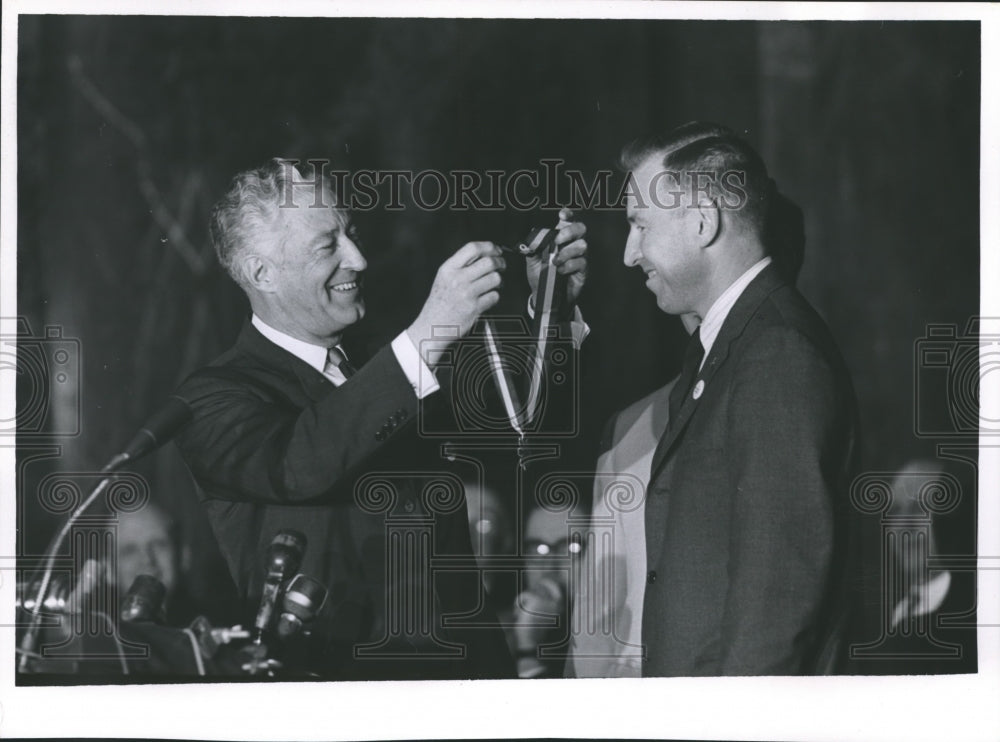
401	413
380	435
651	577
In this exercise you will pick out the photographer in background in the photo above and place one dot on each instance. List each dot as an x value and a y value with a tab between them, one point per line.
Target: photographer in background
541	610
533	602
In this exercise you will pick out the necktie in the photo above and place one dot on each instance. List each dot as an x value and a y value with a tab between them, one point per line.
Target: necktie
689	372
335	358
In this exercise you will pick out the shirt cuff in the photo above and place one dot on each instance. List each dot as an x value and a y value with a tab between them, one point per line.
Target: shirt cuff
577	327
417	372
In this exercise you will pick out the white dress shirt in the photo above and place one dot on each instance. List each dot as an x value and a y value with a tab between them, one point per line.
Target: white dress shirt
417	372
717	313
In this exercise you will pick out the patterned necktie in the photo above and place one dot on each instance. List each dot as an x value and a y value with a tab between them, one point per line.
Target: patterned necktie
689	372
335	358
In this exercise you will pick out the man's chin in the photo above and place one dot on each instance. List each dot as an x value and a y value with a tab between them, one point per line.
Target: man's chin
354	314
664	304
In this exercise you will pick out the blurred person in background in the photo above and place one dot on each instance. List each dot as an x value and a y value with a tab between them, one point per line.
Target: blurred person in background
541	609
149	542
491	531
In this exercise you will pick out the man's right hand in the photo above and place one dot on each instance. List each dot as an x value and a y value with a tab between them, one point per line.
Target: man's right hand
466	285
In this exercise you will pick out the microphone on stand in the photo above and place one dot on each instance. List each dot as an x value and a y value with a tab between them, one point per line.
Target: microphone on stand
301	603
284	556
163	425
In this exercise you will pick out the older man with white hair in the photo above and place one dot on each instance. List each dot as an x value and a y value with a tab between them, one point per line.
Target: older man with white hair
290	434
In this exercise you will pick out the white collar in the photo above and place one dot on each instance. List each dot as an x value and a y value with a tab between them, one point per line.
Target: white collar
314	355
720	308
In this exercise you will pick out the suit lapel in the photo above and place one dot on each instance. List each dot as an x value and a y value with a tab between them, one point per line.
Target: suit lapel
312	383
734	325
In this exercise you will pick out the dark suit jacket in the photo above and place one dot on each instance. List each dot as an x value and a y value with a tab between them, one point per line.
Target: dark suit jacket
275	445
747	499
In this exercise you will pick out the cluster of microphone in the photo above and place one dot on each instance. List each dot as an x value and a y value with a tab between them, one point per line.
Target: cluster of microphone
289	604
144	600
296	598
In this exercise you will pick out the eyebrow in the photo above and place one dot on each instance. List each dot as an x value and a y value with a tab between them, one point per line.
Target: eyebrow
327	237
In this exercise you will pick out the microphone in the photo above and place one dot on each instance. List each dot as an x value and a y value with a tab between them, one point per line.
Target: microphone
161	426
144	600
303	600
284	556
165	423
55	599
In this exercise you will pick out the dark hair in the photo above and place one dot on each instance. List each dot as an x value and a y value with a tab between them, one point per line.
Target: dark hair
706	147
639	150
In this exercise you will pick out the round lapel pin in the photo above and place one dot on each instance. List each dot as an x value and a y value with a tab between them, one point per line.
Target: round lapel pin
698	389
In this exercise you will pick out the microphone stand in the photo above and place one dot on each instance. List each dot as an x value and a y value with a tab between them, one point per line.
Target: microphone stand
30	636
170	418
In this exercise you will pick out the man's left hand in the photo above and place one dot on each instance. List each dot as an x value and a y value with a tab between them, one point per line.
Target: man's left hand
570	260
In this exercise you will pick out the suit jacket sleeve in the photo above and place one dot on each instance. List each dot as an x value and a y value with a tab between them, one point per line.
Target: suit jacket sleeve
248	442
785	439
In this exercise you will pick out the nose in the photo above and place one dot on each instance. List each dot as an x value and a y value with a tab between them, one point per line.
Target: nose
632	254
353	259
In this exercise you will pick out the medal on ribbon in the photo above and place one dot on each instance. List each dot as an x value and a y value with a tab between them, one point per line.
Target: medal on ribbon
551	294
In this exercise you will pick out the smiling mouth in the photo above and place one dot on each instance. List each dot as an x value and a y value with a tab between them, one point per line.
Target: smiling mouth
344	287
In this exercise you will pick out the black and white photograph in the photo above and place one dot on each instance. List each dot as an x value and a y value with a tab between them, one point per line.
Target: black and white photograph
619	369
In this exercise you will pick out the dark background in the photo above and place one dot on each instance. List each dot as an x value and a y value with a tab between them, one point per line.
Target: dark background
130	128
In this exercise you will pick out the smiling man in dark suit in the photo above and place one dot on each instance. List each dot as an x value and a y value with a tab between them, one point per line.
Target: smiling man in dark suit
745	510
287	434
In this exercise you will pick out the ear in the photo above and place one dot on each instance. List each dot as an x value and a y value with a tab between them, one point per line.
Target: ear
258	272
708	223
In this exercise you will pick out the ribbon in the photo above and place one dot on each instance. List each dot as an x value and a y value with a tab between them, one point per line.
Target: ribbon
551	286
